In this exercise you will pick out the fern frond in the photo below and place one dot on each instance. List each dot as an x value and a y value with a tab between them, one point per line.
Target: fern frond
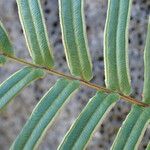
110	37
74	37
122	46
44	113
132	130
5	44
92	115
15	83
34	28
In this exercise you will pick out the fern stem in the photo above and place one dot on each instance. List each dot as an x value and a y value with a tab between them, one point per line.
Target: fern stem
82	81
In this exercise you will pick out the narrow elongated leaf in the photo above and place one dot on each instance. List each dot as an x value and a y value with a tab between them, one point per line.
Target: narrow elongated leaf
146	90
83	128
35	31
14	84
43	114
134	126
74	37
122	46
132	130
110	34
5	44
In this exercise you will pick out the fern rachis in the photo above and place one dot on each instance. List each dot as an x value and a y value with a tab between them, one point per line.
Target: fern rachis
74	36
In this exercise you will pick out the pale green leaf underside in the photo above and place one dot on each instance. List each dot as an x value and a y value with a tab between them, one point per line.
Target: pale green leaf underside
122	46
111	75
116	46
132	130
77	52
15	83
92	115
146	89
34	28
44	113
5	44
74	37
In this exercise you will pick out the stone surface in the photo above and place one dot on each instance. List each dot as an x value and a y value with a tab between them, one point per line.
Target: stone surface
15	115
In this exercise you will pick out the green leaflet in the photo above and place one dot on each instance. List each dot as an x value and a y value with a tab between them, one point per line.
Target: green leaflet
134	126
2	60
132	130
116	46
5	44
92	115
72	21
146	92
14	84
111	76
43	114
122	46
32	21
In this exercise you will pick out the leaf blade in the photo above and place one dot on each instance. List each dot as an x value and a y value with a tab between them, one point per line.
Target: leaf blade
15	83
75	38
81	131
44	113
110	33
5	44
122	46
146	93
132	130
34	28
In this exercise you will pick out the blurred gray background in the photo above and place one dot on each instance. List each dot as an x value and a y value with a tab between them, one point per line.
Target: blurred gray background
15	115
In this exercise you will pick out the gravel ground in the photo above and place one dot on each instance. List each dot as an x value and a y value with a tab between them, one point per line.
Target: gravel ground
15	115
